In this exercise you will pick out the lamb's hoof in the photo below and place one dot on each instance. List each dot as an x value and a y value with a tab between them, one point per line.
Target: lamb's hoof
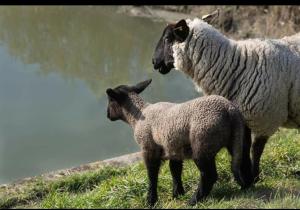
248	184
151	200
245	187
177	192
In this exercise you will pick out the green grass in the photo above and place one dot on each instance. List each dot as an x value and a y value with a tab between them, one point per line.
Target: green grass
126	187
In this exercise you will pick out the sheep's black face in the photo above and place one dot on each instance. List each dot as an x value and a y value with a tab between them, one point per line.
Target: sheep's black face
163	55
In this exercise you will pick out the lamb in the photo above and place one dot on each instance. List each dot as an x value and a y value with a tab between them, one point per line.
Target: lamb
195	129
262	76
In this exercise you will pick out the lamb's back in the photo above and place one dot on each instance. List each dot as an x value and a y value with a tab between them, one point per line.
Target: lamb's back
174	126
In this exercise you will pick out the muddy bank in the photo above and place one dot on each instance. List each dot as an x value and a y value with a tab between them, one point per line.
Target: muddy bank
155	13
238	22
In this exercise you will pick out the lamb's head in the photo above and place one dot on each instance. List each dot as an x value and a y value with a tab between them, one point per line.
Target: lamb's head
121	96
163	58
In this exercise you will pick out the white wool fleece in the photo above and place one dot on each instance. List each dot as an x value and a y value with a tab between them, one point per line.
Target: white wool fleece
262	76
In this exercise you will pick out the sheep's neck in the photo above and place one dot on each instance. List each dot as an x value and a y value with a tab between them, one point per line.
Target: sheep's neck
211	62
132	110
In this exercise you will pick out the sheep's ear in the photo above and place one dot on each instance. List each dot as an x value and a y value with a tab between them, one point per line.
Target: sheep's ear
181	30
138	88
209	18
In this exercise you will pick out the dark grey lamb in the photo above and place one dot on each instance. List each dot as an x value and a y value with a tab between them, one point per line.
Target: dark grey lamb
195	129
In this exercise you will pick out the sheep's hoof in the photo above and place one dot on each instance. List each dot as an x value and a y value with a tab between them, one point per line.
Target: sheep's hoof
197	197
177	192
250	183
193	201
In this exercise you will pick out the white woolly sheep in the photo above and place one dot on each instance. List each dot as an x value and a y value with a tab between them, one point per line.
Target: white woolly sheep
262	76
195	129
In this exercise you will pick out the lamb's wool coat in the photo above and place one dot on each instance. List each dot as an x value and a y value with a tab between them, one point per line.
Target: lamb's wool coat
207	124
262	76
195	129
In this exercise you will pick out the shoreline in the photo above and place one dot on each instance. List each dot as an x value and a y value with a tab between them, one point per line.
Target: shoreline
119	161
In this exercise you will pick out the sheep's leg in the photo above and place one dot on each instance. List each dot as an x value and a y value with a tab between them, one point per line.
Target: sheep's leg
176	171
246	166
209	176
152	163
256	151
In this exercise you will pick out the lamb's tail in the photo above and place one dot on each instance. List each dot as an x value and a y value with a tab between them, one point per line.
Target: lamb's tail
240	151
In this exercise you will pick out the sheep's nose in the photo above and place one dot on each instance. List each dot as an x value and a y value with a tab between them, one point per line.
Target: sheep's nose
156	63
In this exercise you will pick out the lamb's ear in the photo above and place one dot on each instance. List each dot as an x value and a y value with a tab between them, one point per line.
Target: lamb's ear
119	96
138	88
181	30
209	18
110	92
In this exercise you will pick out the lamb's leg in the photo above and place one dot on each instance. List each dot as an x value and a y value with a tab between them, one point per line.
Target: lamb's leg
256	151
152	162
236	166
209	176
176	171
240	162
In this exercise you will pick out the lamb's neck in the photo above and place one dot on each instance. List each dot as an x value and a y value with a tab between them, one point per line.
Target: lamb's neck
132	110
212	57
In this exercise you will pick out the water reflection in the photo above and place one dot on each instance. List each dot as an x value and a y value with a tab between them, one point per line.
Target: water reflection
56	63
87	43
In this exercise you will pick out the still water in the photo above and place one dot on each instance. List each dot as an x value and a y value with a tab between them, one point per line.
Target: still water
55	65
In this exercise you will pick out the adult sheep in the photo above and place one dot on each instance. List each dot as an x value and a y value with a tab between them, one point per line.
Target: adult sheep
262	76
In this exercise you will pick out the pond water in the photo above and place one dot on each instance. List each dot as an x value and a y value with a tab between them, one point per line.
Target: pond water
55	65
